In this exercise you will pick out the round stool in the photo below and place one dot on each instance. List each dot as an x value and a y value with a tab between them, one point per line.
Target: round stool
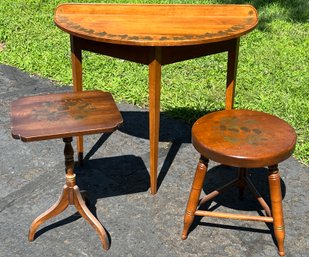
244	139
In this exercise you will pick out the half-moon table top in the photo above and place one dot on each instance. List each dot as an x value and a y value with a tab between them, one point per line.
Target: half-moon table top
156	24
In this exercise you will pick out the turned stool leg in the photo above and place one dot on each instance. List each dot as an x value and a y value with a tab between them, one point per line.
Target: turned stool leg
70	195
242	172
194	195
276	206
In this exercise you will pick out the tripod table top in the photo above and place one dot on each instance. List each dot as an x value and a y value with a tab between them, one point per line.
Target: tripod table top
63	115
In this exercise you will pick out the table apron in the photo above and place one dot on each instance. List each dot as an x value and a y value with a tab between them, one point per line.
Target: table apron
145	54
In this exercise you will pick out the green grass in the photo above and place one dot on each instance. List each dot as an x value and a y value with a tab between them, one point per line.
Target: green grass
273	70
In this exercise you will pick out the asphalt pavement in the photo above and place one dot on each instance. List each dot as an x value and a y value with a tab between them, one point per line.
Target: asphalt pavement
115	175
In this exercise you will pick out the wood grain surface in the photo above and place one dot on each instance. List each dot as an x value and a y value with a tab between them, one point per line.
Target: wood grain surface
243	138
63	115
156	25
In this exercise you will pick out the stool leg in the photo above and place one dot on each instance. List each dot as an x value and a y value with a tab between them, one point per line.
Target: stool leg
276	206
242	172
194	195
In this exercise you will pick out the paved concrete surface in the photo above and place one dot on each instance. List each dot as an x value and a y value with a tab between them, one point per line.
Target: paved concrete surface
116	178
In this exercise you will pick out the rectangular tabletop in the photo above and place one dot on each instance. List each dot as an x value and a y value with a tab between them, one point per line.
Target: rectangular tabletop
43	117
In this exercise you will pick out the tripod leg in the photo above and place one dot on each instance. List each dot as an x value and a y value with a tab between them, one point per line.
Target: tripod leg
87	215
57	208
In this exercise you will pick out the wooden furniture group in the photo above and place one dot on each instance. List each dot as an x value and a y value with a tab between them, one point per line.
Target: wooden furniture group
157	35
65	116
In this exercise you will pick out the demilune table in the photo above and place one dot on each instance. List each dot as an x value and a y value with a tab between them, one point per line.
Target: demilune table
155	35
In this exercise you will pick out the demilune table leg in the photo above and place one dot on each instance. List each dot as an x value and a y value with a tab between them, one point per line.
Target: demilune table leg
154	115
231	74
76	58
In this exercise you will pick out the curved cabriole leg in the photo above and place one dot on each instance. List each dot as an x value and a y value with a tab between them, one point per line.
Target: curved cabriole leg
276	206
70	195
57	208
194	195
75	196
87	215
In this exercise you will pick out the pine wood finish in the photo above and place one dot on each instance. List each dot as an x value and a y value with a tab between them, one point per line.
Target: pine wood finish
245	139
65	115
167	25
155	35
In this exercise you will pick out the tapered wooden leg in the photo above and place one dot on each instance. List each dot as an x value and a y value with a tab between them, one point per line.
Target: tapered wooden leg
154	116
276	207
76	58
80	150
231	74
194	195
57	208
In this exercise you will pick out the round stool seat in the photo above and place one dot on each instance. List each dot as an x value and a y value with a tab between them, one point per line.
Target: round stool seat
243	138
